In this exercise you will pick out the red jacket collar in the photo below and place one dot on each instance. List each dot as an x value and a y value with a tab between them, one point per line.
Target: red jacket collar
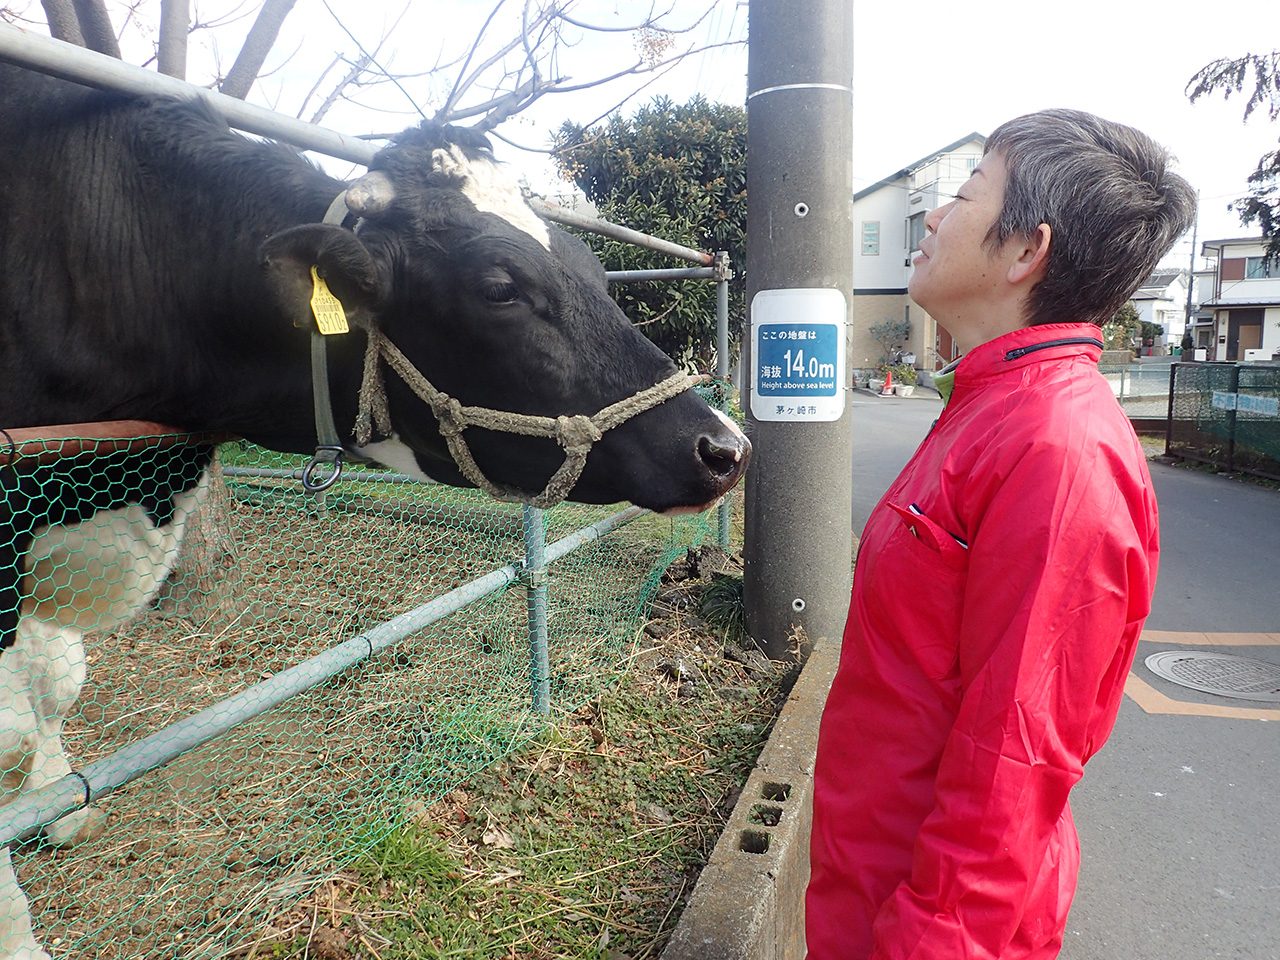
1049	341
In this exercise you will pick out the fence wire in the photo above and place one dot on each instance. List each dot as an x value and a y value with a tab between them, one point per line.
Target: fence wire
1228	415
207	848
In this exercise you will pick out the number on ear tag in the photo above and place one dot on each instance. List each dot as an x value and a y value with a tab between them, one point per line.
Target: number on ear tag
330	317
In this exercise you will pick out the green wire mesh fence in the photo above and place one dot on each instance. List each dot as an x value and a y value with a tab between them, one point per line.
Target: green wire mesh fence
268	581
1226	414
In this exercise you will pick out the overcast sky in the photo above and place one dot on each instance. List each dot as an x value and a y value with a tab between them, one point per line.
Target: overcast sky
925	73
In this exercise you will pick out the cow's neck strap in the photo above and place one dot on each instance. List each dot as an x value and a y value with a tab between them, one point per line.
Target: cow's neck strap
326	465
576	434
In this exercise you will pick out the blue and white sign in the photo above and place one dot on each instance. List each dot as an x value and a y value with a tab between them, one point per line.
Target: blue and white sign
1247	403
798	355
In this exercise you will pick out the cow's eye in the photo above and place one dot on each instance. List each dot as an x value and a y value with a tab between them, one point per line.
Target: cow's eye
500	292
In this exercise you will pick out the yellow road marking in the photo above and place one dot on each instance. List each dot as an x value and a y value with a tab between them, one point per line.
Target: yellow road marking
1212	639
1153	701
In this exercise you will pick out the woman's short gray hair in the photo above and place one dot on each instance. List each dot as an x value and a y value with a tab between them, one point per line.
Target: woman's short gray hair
1108	195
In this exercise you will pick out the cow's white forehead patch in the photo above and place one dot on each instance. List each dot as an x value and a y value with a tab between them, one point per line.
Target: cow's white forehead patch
492	190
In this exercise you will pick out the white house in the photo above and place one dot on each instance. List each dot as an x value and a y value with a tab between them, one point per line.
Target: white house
1244	300
1162	300
889	219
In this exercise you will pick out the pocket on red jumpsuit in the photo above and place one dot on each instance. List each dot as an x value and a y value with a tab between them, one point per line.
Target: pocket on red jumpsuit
915	589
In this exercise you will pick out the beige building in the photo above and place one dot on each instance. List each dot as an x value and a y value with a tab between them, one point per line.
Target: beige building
1244	302
889	219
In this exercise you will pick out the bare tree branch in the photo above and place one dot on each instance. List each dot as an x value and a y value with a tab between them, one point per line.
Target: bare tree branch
372	58
650	21
357	69
501	108
658	75
233	15
95	27
63	22
175	18
261	38
130	17
465	81
641	68
316	86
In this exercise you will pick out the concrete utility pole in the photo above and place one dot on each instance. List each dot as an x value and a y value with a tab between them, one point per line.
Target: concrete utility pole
800	291
1191	286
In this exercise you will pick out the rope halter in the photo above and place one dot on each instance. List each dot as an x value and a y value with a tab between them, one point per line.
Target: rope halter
575	434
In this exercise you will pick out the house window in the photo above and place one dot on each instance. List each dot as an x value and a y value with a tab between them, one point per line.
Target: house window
915	230
870	238
1260	268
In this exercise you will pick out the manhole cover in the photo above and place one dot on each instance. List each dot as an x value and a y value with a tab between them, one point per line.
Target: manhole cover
1238	677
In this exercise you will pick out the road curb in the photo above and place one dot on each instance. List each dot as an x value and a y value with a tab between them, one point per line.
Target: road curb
749	900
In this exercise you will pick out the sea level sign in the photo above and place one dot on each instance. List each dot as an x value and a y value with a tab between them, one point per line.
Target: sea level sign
798	354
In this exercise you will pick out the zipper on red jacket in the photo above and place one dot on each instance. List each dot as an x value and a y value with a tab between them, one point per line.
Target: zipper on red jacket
1065	342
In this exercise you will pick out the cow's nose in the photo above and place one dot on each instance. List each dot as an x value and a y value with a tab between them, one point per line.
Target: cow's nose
725	454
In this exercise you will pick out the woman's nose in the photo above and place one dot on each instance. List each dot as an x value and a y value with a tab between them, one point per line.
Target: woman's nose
936	215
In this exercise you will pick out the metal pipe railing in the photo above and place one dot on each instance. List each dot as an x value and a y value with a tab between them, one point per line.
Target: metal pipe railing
676	273
33	810
571	218
46	55
281	473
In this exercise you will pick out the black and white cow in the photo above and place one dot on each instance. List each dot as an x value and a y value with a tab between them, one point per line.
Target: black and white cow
155	265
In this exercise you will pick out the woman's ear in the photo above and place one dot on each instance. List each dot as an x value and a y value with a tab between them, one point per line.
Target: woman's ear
1032	256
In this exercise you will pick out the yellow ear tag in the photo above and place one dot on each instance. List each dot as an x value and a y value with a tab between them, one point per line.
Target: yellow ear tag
330	317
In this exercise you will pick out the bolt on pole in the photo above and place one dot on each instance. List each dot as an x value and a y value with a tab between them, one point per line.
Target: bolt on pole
798	494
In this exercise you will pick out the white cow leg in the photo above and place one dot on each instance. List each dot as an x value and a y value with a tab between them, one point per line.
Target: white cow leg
16	939
18	739
51	765
56	673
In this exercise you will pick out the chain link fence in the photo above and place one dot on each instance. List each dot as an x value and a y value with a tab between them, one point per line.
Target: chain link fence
273	589
1141	388
1228	415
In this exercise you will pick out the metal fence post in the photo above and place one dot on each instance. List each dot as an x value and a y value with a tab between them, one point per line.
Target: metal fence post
1231	419
535	576
723	273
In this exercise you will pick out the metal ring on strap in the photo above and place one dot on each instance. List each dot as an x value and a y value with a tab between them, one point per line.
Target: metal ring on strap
325	455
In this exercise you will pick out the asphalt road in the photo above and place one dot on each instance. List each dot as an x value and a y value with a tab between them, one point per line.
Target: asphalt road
1178	815
886	432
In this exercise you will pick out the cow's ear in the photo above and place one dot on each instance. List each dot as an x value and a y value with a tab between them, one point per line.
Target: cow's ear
341	261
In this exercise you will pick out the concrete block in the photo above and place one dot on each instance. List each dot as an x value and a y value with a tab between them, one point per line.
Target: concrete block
749	900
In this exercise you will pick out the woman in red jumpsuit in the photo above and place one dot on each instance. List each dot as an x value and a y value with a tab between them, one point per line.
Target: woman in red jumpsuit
1003	580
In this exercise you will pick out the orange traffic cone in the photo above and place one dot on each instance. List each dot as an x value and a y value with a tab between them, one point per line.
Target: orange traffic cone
887	389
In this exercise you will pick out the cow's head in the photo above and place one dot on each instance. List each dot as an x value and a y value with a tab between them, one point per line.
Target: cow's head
501	310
